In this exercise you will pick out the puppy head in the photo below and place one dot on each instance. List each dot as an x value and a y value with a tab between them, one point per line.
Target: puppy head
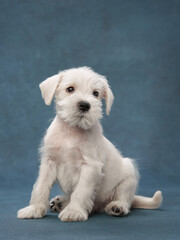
78	96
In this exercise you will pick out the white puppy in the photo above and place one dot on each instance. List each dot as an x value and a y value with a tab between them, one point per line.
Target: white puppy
91	172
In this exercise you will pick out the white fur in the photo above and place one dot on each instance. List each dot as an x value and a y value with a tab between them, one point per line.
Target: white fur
90	170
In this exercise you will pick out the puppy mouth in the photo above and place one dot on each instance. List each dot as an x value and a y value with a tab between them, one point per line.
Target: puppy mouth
82	116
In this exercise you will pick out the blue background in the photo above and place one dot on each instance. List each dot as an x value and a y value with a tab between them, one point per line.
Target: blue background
136	44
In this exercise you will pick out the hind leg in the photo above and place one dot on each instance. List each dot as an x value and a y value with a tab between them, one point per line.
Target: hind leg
124	192
58	203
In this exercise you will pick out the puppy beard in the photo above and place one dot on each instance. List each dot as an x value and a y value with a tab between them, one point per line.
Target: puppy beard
68	111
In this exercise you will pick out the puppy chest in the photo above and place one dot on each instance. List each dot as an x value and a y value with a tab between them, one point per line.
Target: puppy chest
68	168
68	176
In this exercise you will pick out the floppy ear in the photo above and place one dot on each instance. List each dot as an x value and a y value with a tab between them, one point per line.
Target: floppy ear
48	88
109	97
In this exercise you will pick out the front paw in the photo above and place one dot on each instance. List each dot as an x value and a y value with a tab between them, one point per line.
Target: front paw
32	211
72	214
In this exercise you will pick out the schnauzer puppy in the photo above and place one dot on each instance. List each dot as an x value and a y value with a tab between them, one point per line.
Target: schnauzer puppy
92	173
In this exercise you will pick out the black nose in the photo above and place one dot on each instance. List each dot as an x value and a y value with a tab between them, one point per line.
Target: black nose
84	106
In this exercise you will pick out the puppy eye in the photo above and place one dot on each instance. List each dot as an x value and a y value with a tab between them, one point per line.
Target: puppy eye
95	93
70	89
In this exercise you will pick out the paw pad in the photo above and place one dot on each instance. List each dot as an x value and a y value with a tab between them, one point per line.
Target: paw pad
58	203
55	205
117	211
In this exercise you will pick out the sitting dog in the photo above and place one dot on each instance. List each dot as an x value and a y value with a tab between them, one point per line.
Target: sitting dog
92	173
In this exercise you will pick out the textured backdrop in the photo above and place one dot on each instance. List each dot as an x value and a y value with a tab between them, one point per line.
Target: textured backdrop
135	43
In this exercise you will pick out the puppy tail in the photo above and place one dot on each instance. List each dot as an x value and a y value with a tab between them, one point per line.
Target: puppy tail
147	202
